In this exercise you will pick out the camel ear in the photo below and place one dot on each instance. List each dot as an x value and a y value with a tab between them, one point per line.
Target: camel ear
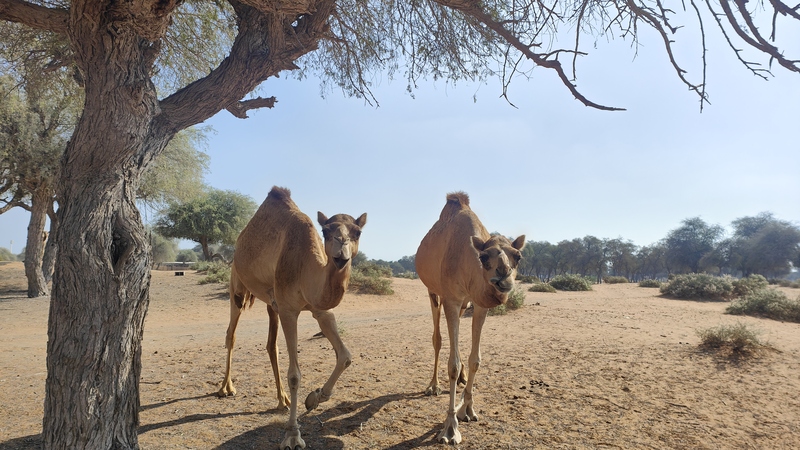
478	243
362	220
519	242
321	218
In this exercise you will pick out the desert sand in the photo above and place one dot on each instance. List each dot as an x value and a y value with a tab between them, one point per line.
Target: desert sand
617	367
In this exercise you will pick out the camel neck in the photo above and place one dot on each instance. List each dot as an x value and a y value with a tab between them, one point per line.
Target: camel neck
330	287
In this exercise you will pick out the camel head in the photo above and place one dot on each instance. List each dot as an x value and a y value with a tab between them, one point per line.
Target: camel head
341	233
499	258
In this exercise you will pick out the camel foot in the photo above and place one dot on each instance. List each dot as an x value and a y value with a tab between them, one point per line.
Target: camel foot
433	389
283	401
227	390
315	398
466	413
450	433
292	440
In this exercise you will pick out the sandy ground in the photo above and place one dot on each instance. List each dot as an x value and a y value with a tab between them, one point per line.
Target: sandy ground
618	367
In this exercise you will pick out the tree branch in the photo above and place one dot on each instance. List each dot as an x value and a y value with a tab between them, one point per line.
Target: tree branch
474	9
240	108
265	45
35	16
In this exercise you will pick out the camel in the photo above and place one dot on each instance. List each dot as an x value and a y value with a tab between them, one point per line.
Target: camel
281	260
460	262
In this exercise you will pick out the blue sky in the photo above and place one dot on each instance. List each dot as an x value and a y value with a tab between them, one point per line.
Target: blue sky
550	168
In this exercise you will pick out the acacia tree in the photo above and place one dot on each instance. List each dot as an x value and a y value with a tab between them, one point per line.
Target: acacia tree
101	283
688	244
764	245
35	124
211	218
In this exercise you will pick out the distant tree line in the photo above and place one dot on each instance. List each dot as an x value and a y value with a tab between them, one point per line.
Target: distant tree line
760	245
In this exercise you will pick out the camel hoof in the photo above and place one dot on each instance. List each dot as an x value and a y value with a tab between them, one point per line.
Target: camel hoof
312	401
433	390
226	391
467	414
292	441
449	435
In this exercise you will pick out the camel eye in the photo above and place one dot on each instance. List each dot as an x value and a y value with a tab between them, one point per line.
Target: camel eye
484	257
356	234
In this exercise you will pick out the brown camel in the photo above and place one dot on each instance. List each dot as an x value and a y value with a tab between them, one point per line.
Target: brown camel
281	260
460	262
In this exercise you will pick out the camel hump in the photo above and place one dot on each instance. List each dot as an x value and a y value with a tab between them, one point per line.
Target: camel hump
280	194
456	201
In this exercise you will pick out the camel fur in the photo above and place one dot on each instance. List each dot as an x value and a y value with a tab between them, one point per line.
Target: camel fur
281	260
460	262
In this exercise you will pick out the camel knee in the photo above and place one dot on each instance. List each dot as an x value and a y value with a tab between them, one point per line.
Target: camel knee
293	378
230	340
453	370
474	365
344	358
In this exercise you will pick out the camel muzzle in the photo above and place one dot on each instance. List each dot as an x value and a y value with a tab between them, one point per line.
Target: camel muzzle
340	262
503	284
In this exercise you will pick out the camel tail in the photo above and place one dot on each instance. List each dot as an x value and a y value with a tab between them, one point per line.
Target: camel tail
456	201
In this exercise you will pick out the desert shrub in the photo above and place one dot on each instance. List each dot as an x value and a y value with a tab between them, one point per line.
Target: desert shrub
541	287
6	255
785	283
749	285
215	272
615	280
527	278
737	338
371	278
409	275
699	286
571	283
650	283
769	303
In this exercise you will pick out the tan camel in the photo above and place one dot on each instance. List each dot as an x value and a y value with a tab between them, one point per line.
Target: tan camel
281	260
460	262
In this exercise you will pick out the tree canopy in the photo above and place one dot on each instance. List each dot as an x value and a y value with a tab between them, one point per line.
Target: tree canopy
213	217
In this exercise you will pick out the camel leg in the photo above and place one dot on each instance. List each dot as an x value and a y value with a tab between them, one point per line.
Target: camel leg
462	375
237	304
436	310
467	412
327	323
450	433
292	439
272	350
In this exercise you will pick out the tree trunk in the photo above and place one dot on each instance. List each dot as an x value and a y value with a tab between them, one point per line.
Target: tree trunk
101	280
34	248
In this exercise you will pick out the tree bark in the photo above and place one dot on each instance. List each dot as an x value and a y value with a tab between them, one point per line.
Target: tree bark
34	248
50	250
101	281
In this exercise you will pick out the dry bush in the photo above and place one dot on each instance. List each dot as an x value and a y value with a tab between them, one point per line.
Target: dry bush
541	287
699	286
737	339
650	283
769	303
615	280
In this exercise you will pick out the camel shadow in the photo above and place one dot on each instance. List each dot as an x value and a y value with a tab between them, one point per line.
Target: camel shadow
175	400
23	443
322	430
